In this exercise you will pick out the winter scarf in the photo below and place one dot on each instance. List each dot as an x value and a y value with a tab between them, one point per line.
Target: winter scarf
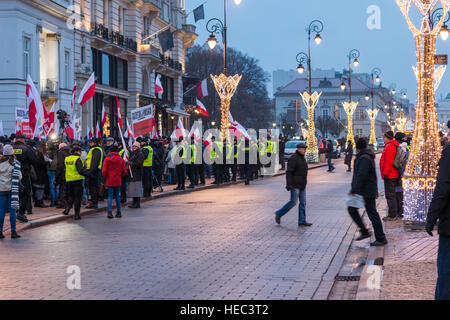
15	185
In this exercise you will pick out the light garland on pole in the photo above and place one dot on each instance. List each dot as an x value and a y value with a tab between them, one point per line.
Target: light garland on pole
372	116
310	101
350	108
419	178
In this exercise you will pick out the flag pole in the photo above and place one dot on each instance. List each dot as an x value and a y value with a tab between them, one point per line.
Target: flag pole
124	146
187	14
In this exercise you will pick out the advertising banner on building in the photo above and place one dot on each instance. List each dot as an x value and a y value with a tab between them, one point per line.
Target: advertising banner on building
143	120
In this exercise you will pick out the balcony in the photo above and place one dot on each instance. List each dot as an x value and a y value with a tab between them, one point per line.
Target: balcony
189	28
49	88
173	64
113	37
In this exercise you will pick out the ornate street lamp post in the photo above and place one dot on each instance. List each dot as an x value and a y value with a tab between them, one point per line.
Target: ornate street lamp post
419	179
350	108
309	98
225	85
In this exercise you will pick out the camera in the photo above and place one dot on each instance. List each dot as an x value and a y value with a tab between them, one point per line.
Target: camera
61	115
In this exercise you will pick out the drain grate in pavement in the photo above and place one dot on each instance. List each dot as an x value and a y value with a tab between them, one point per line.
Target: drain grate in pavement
347	278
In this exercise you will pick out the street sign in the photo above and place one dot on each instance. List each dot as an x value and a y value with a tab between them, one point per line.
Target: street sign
441	59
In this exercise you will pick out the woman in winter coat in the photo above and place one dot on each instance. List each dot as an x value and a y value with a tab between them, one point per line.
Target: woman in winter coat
113	170
349	156
10	176
135	190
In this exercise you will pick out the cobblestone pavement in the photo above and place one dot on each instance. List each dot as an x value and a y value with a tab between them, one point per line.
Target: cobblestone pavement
213	244
409	264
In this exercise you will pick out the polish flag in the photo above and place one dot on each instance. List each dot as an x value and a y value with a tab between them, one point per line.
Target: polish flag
88	90
237	129
49	120
201	108
195	132
119	114
129	133
70	133
98	133
202	89
179	130
90	135
18	131
125	154
158	85
103	115
36	109
74	90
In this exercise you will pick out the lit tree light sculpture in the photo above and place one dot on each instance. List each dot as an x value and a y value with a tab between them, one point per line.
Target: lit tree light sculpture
372	116
350	108
419	179
310	101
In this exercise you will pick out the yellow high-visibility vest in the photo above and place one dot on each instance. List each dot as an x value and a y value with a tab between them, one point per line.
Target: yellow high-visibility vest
193	153
149	161
72	173
89	158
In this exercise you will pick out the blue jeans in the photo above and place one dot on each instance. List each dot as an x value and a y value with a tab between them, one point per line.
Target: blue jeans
53	190
113	192
84	198
297	195
5	204
443	268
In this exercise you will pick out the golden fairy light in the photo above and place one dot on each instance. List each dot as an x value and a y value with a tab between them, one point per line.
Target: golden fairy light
419	179
400	122
372	116
310	101
350	108
225	87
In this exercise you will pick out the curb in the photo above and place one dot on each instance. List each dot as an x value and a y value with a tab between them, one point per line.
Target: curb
60	217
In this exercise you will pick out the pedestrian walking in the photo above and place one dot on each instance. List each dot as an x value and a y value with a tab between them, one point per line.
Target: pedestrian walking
75	173
135	189
389	174
60	178
349	156
10	175
329	152
296	181
113	170
440	210
364	184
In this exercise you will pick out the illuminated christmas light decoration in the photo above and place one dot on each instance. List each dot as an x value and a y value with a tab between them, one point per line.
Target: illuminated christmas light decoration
419	178
372	116
310	101
225	87
438	74
350	108
400	122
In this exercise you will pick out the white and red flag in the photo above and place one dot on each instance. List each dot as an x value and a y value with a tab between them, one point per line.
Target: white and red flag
90	135
49	120
201	109
158	85
237	129
36	109
72	101
70	133
18	131
119	114
179	130
98	133
195	132
202	89
88	90
103	115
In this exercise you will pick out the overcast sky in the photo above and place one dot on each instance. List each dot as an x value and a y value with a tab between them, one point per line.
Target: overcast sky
274	31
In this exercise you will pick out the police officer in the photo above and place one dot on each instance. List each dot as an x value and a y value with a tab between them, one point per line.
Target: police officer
180	150
75	173
94	161
147	178
228	159
217	155
192	167
25	155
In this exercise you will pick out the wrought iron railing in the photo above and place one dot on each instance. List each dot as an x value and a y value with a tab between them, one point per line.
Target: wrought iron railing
116	38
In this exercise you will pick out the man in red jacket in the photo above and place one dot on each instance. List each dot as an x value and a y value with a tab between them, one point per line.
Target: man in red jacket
113	171
390	174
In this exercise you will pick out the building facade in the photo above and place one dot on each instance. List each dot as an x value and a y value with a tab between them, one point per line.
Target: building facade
63	41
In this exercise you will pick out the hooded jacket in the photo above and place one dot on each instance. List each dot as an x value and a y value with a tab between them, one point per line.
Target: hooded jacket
364	180
113	170
387	159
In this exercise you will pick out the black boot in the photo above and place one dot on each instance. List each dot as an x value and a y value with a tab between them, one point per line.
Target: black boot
138	203
2	236
22	218
66	211
77	216
14	235
134	204
110	215
118	215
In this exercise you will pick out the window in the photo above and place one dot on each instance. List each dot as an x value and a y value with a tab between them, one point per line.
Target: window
325	113
358	132
105	69
83	54
112	71
110	14
120	20
105	12
26	56
182	4
146	25
66	69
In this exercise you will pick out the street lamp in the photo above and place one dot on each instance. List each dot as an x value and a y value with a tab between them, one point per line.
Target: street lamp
309	98
435	17
375	75
225	85
403	93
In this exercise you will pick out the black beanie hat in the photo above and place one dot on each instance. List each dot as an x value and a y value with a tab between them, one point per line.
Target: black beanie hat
389	135
361	144
399	136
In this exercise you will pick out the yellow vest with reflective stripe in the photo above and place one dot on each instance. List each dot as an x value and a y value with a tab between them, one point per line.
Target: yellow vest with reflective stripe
213	151
193	153
262	148
72	173
149	161
89	157
229	148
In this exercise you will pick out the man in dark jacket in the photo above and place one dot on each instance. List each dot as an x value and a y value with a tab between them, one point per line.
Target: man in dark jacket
94	162
296	180
27	158
330	155
364	183
60	179
440	210
281	149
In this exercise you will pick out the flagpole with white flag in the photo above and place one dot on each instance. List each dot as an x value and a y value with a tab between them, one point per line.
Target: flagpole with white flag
126	151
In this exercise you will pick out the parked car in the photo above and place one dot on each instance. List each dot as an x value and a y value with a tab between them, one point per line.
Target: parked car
380	142
291	147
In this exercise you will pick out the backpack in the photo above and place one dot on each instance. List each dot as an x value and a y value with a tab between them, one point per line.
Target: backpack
400	160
